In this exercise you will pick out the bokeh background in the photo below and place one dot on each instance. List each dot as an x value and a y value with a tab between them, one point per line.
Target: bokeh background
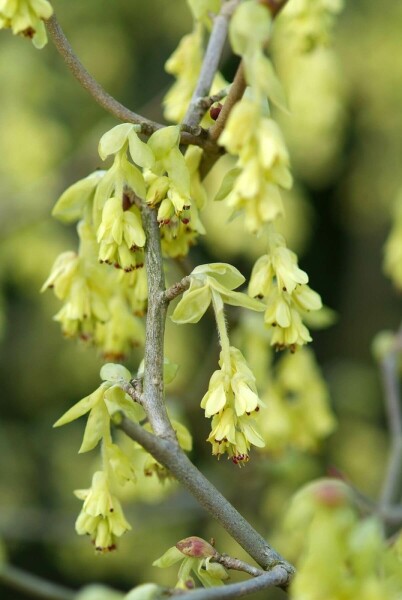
345	139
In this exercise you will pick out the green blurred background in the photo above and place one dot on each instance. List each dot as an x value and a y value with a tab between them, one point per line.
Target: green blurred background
345	138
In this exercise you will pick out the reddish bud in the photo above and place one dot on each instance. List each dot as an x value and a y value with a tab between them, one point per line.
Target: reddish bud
195	547
214	111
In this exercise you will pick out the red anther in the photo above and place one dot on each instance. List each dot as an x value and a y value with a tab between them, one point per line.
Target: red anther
185	221
29	32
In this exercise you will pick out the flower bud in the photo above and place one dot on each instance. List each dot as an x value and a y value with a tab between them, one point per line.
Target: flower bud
195	547
214	111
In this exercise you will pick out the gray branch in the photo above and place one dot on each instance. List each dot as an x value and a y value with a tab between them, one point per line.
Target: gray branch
173	458
278	577
153	394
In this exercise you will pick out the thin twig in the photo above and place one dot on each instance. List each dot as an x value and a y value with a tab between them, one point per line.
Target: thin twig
278	577
33	585
173	458
90	84
108	102
177	288
210	63
235	94
207	101
392	397
235	564
131	391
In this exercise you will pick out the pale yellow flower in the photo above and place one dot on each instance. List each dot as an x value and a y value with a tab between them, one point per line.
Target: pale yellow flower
101	516
25	17
263	164
277	278
232	400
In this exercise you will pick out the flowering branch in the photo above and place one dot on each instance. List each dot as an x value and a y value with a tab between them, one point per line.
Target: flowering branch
277	577
170	455
210	63
32	585
389	371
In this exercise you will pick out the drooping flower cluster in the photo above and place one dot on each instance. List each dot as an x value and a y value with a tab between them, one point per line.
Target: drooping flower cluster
277	278
25	17
262	166
263	161
95	308
262	169
298	414
196	556
174	187
101	516
102	305
232	402
343	557
232	395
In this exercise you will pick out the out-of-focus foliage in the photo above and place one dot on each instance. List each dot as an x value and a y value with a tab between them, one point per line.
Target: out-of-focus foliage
344	134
